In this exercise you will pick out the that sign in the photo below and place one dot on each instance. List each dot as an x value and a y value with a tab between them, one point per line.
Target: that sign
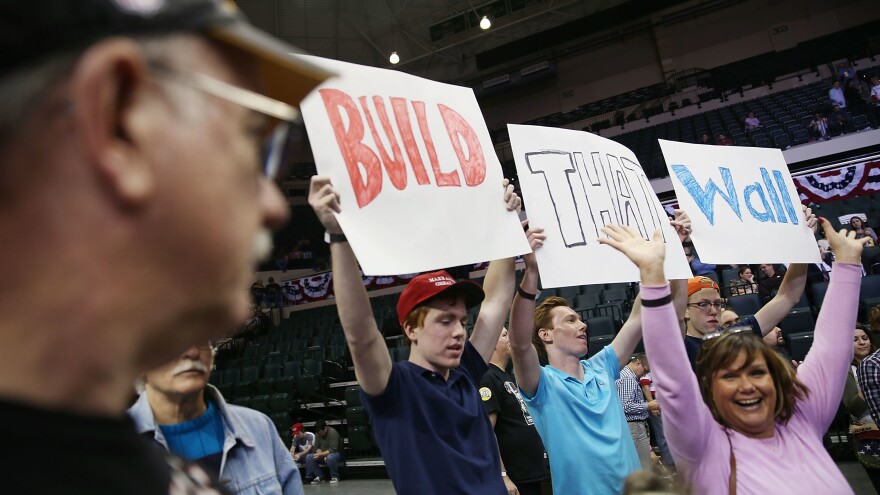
574	183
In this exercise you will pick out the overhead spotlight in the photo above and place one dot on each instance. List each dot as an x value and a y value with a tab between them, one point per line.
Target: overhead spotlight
485	23
394	58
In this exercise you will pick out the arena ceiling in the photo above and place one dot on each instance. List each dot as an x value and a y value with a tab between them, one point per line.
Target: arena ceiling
438	39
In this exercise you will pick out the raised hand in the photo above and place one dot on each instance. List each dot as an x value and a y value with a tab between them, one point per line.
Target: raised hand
846	247
325	201
513	202
812	221
682	224
647	255
536	238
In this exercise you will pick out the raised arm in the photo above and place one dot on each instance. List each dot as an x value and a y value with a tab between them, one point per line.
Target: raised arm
825	368
522	321
629	335
687	420
790	291
372	363
498	287
631	332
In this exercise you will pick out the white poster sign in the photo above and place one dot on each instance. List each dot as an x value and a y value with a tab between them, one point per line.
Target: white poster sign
742	202
419	183
574	183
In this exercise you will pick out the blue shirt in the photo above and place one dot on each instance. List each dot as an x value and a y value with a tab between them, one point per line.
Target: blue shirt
434	435
200	439
584	431
254	460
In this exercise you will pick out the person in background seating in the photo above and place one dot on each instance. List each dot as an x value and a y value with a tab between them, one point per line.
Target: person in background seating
858	226
328	448
863	428
302	442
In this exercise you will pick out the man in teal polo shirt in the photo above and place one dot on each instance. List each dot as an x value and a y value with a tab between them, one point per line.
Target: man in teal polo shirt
574	402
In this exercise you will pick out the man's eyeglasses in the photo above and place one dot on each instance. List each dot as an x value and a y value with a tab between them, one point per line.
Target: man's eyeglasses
731	330
705	305
272	150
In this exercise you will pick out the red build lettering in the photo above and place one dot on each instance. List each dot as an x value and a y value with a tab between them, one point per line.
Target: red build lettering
364	164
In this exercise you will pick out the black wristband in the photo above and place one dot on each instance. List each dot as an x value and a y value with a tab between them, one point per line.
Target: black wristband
331	238
653	303
525	295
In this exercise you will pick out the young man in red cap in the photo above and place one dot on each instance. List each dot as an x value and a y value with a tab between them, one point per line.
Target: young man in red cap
302	442
426	413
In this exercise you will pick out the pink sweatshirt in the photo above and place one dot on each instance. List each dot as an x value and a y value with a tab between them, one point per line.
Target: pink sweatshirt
793	461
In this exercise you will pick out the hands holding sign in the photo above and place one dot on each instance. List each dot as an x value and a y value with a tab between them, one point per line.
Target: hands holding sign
325	201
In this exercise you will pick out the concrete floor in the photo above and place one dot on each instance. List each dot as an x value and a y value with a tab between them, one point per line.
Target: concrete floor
852	470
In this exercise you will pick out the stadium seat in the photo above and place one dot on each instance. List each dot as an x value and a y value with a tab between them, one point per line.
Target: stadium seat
271	372
260	403
356	415
799	344
596	344
249	376
360	442
281	402
818	290
287	381
869	295
569	293
353	396
585	301
797	321
614	295
747	304
601	326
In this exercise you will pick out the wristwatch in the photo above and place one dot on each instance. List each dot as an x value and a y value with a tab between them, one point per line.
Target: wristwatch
331	238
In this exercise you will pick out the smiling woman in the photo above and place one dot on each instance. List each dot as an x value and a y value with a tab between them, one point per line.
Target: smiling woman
754	410
746	384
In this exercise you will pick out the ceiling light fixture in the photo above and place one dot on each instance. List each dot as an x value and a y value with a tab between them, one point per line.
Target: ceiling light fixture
485	23
394	58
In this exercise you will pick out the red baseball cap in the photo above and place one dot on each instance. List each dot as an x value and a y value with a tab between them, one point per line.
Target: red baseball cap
296	428
428	285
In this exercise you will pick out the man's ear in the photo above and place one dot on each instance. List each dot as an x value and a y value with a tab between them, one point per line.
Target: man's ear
544	335
110	89
410	332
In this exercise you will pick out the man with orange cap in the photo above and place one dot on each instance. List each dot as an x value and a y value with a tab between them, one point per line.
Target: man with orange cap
705	304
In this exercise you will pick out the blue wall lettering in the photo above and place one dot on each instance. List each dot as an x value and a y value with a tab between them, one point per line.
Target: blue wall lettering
766	215
705	197
772	197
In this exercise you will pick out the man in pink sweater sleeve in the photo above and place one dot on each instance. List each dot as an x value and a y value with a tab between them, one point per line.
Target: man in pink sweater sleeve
744	411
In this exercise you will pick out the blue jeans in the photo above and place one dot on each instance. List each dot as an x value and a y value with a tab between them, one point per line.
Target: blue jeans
313	470
657	426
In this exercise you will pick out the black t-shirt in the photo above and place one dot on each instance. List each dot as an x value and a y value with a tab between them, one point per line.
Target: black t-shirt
51	453
521	448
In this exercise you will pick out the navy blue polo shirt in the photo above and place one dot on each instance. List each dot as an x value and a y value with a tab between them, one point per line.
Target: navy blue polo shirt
434	435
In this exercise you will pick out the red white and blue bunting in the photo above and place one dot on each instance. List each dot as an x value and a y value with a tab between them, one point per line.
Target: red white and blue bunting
320	287
845	182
